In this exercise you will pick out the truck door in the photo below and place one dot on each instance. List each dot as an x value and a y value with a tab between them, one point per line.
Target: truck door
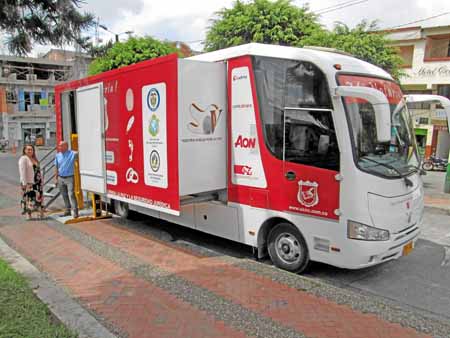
309	152
91	142
68	118
283	150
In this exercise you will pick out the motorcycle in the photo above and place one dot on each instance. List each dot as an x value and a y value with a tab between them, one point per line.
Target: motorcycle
434	163
3	145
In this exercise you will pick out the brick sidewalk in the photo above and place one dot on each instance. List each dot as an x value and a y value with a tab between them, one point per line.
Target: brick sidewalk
139	286
438	202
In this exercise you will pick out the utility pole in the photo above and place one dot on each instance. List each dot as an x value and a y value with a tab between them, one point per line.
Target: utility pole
116	35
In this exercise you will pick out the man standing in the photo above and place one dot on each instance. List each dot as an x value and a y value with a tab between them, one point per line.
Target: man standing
64	163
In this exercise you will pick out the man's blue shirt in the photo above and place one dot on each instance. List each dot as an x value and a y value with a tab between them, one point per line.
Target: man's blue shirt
65	163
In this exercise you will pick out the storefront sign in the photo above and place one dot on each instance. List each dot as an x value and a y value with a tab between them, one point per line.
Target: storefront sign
442	71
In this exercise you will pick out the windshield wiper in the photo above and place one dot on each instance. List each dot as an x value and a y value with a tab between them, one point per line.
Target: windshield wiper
420	171
408	182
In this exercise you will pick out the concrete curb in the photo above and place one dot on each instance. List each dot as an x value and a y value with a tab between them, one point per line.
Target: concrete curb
59	302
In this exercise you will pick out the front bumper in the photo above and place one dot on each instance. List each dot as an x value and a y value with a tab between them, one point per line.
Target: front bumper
373	253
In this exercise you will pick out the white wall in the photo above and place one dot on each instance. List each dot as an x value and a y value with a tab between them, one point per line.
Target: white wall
429	73
443	144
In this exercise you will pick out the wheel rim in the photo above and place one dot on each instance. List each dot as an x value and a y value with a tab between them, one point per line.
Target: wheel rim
288	248
427	166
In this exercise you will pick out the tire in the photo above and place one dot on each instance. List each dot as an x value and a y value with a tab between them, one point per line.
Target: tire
121	209
287	248
428	166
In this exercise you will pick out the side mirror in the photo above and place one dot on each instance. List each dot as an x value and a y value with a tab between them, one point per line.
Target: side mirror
445	102
324	144
380	105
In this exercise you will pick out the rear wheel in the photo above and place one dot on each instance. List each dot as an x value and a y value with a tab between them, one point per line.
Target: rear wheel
287	248
121	209
428	166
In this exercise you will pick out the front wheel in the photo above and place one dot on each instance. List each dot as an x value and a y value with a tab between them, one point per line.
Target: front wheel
428	166
287	248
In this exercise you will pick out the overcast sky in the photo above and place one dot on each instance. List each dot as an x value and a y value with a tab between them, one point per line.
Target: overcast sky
183	20
188	20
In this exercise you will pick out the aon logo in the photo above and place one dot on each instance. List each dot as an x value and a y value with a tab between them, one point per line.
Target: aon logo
244	142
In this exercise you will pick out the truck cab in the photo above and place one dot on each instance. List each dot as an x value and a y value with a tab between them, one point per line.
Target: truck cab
334	165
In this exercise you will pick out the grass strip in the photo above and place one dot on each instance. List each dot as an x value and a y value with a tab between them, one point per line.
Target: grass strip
22	314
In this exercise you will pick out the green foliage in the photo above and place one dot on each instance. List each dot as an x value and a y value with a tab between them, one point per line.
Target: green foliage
362	42
97	51
129	52
279	22
57	22
21	313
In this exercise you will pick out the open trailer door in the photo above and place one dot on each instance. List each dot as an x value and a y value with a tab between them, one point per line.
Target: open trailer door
91	143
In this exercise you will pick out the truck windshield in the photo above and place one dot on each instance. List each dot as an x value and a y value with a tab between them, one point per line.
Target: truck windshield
395	158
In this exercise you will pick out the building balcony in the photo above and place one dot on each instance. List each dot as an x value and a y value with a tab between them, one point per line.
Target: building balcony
11	80
34	110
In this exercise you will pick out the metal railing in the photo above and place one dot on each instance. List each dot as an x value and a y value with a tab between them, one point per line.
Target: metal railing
48	176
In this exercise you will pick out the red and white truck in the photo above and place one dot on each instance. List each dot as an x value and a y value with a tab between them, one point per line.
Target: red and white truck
304	154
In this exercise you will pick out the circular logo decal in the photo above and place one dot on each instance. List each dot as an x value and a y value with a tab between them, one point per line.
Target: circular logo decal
153	127
153	99
154	161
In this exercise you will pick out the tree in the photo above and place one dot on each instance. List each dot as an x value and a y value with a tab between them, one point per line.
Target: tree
279	22
283	23
363	42
129	52
97	51
57	22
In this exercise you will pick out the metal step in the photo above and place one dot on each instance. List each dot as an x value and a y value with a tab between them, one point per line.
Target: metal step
51	200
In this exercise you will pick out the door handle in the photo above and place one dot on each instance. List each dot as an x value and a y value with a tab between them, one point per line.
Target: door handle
290	175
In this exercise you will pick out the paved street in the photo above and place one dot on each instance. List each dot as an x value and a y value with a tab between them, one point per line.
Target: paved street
147	278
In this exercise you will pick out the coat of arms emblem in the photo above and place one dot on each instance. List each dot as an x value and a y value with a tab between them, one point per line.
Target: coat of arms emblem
153	99
307	193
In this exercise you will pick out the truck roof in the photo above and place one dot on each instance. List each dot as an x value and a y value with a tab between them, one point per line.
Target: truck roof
323	59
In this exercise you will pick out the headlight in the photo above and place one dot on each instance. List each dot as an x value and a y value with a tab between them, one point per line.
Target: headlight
366	233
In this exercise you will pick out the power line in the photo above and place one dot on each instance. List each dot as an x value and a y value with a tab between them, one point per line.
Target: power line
341	7
193	41
421	20
336	5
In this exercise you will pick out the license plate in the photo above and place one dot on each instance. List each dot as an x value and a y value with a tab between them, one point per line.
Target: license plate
408	248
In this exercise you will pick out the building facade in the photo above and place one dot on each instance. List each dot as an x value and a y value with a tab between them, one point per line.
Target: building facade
426	64
27	94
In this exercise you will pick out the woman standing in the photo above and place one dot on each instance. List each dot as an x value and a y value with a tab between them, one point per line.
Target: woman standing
31	182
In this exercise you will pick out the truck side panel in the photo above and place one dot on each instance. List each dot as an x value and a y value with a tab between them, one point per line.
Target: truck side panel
141	136
141	132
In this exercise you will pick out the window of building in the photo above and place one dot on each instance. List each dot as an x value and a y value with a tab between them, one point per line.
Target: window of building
423	120
444	90
27	100
51	98
11	96
406	53
438	47
37	97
